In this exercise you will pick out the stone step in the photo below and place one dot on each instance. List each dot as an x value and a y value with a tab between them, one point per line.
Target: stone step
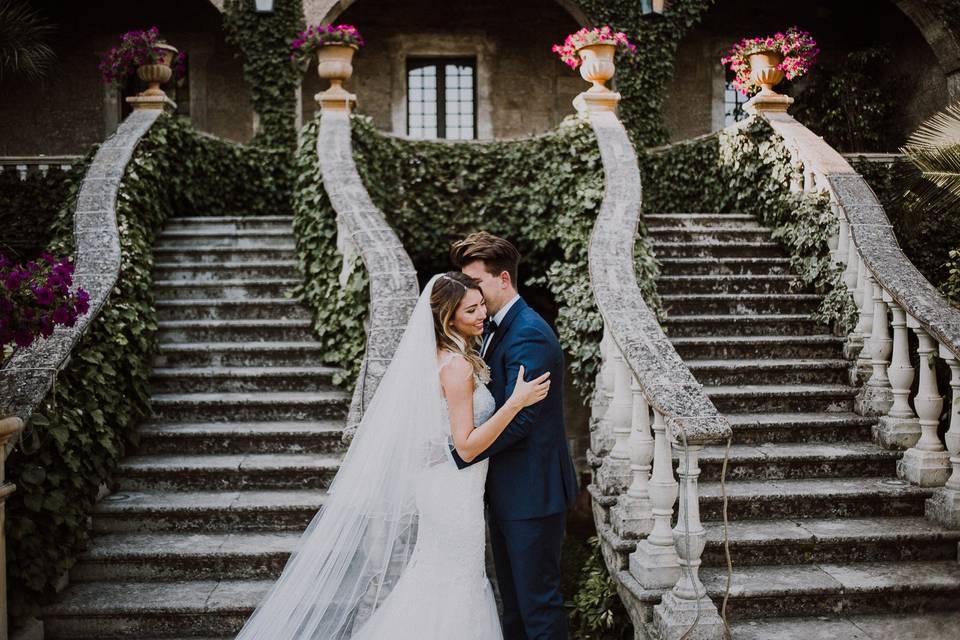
739	303
108	610
698	235
244	238
190	271
806	541
654	220
777	398
797	460
207	254
764	428
240	437
825	589
223	289
671	284
722	266
181	472
812	498
185	556
754	347
930	625
206	511
760	325
770	371
238	354
263	406
259	330
240	379
228	223
213	309
766	249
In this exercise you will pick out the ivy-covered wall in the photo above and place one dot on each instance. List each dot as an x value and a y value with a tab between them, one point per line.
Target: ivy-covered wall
28	208
542	193
264	42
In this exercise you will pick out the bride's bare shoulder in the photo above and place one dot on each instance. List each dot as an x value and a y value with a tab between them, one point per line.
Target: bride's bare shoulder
454	368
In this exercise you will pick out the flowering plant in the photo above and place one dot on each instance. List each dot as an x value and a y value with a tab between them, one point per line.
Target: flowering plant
799	50
36	297
137	48
584	37
315	36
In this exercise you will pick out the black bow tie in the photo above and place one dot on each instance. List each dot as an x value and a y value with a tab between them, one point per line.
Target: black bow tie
489	328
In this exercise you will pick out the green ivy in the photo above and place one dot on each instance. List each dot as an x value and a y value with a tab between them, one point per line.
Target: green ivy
76	437
596	611
264	43
951	286
542	193
28	208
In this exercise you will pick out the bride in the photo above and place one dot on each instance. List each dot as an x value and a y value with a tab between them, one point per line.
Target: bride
398	549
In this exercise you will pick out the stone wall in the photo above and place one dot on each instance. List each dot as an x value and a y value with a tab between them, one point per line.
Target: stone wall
694	103
523	87
72	109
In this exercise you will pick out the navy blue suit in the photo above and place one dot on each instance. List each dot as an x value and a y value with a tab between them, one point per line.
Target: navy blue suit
531	480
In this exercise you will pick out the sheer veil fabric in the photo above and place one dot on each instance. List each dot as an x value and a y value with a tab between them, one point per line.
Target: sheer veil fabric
356	547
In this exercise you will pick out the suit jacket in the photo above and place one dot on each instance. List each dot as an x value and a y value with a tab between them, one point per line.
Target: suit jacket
531	473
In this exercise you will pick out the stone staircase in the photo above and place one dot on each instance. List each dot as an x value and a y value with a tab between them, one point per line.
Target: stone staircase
235	462
825	540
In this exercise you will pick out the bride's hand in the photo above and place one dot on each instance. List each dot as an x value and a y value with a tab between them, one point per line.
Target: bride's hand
528	393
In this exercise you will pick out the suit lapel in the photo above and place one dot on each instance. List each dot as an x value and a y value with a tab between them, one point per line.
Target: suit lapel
504	326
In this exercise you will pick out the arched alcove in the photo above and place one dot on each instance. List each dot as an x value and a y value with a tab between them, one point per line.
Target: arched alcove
520	86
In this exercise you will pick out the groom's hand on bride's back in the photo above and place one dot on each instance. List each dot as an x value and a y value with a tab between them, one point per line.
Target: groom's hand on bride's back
529	393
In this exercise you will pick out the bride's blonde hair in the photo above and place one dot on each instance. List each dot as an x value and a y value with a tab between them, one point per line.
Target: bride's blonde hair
448	292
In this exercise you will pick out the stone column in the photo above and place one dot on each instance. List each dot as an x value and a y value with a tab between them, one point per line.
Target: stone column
840	256
632	516
863	296
876	397
944	505
687	603
655	563
899	428
855	339
614	475
927	463
8	428
601	433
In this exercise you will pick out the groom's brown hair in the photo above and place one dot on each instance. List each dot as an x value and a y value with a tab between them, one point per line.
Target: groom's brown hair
498	255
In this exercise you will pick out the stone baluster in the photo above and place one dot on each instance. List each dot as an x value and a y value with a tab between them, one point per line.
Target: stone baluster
863	296
632	517
601	433
927	463
688	601
614	475
655	563
899	428
876	397
855	339
944	505
843	238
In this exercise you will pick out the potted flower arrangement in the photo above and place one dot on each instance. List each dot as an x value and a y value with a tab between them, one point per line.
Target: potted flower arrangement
759	64
36	297
334	46
146	54
592	50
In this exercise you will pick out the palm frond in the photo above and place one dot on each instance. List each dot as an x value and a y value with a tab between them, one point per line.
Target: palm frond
934	148
22	34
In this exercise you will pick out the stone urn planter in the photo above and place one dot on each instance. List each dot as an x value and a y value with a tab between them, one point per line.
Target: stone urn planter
335	63
764	69
597	66
156	74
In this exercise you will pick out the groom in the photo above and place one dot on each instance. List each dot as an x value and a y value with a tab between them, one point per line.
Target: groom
531	478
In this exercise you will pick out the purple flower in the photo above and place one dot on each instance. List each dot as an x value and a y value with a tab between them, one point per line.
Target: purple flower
43	295
13	280
5	305
23	338
46	326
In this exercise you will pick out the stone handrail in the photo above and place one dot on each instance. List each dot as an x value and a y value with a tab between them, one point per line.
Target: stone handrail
891	294
642	375
362	230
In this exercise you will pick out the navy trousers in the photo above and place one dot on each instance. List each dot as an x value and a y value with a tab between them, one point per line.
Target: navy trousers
526	554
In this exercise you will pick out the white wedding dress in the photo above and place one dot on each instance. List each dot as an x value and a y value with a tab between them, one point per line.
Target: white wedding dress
444	593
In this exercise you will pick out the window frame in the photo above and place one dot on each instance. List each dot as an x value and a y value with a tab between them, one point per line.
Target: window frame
415	61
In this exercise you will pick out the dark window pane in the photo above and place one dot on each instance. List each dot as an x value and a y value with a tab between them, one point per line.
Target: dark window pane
440	98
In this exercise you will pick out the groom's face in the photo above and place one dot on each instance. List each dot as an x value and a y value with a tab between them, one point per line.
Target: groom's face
492	286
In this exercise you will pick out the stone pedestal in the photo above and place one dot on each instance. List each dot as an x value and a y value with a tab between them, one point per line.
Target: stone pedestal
771	102
896	433
873	401
631	517
944	507
593	101
334	100
614	475
924	468
151	102
675	618
655	566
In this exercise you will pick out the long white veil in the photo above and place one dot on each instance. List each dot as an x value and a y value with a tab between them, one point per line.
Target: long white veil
356	547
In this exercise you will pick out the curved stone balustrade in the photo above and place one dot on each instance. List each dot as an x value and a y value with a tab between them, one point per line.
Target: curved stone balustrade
634	490
362	230
894	298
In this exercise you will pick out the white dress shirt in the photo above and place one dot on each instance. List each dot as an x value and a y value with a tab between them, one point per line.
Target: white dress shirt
498	318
